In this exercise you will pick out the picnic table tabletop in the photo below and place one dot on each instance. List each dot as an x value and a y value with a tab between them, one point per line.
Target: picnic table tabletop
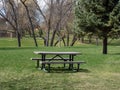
61	53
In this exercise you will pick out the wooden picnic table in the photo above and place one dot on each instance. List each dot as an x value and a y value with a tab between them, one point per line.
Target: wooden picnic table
56	56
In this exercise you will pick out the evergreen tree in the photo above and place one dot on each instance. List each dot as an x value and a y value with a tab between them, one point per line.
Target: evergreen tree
101	17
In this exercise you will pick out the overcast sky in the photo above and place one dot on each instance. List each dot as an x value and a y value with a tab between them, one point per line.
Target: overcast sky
41	3
0	4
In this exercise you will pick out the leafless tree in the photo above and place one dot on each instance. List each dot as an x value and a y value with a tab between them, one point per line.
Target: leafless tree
56	16
57	19
30	19
9	12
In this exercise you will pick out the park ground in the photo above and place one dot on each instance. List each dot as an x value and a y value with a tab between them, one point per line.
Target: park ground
18	72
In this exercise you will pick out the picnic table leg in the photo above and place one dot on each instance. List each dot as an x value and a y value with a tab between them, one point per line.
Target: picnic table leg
71	58
64	63
43	59
37	64
70	66
48	67
78	67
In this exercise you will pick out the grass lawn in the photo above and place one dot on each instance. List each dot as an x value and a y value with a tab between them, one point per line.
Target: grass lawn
18	72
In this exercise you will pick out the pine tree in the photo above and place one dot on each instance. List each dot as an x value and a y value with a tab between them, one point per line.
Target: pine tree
101	17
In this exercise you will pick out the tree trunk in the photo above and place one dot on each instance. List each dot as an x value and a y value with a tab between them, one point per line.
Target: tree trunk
15	19
97	42
48	33
105	45
68	38
56	42
52	39
63	41
32	28
53	34
73	40
19	39
31	23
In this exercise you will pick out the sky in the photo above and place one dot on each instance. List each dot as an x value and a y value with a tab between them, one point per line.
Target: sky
41	3
0	4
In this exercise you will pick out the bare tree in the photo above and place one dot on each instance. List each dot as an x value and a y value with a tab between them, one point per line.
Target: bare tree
30	20
9	12
56	16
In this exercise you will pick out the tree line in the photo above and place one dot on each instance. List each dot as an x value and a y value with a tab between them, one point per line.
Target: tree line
53	20
57	20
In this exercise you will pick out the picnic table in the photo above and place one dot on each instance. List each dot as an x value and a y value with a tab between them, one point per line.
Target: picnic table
61	56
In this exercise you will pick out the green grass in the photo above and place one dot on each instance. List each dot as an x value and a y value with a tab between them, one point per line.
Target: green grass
18	72
25	42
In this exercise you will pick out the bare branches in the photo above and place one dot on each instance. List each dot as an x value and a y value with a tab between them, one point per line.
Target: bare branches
41	12
53	18
30	21
10	14
23	1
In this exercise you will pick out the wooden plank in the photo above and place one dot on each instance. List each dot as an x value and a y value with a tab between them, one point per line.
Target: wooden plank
56	53
66	62
61	62
50	59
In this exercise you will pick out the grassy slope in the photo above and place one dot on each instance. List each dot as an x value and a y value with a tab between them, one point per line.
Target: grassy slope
18	72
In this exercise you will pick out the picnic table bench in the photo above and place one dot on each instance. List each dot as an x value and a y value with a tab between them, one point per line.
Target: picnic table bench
43	60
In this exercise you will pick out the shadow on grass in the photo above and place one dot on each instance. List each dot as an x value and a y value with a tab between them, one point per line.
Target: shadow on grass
114	54
63	70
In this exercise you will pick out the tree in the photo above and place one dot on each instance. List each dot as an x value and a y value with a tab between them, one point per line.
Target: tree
55	16
10	13
30	20
19	16
100	17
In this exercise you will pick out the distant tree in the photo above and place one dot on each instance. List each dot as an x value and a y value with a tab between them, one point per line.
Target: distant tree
19	16
101	17
9	12
25	2
55	16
